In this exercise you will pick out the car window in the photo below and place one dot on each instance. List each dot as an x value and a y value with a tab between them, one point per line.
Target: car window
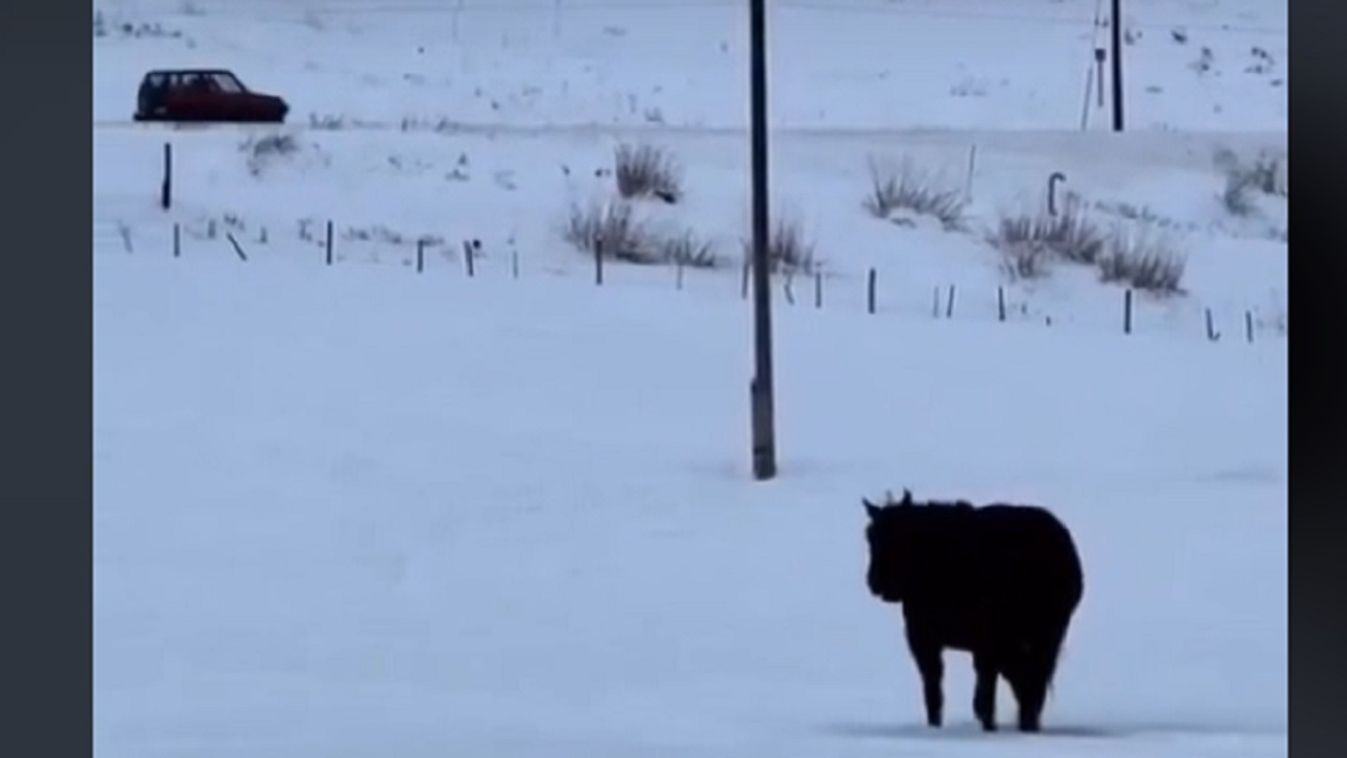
197	83
227	83
156	81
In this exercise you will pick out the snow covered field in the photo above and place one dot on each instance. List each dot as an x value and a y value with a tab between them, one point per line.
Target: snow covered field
513	192
976	64
326	527
355	511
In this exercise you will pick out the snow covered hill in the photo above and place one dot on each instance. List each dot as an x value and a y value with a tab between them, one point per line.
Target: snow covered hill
1192	65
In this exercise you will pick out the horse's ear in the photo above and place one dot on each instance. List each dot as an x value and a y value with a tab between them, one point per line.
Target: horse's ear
870	508
907	497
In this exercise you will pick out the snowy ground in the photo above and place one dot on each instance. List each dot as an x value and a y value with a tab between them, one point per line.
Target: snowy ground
921	63
330	528
513	191
350	510
441	166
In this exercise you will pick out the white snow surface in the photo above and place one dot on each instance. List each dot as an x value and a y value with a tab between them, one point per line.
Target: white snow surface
345	512
357	511
919	63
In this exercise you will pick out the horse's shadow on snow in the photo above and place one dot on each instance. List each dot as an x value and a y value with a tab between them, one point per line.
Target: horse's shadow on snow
972	731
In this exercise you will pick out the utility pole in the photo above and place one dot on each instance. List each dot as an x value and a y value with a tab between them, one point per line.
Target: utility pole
764	426
1117	67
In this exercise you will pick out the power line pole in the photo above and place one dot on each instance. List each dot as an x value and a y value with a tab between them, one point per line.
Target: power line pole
1117	67
764	426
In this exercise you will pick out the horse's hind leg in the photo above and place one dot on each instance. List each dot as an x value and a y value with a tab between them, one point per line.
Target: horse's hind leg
1019	676
1033	691
1029	675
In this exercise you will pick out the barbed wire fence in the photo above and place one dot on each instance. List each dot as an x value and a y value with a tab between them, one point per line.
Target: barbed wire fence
873	291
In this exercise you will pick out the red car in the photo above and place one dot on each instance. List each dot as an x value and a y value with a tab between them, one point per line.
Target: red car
204	95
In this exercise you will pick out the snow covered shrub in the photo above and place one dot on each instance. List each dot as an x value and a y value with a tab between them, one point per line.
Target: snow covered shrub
1070	235
261	151
329	121
688	249
1144	261
907	188
646	171
1237	196
1142	213
787	249
1266	175
152	30
1025	260
272	144
613	230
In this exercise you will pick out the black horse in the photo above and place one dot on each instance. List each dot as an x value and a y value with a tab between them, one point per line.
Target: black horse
999	581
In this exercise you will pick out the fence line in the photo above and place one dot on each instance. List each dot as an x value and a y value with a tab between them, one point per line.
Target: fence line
992	306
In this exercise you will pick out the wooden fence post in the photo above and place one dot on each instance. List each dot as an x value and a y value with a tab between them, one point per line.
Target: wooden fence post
166	191
237	249
598	262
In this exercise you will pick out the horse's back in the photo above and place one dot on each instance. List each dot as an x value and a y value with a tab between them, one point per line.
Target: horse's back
1031	555
997	564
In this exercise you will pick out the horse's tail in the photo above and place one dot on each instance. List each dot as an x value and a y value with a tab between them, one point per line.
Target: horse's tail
1052	652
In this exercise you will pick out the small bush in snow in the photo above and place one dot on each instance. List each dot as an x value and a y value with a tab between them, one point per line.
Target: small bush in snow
1266	175
153	30
787	248
1070	235
376	233
1025	260
1238	195
280	144
261	150
612	229
1143	261
330	121
690	250
909	189
969	87
646	171
1143	213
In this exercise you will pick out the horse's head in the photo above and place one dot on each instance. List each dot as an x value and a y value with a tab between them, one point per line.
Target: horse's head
892	542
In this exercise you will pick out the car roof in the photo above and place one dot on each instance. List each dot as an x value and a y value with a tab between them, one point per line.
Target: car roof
190	71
